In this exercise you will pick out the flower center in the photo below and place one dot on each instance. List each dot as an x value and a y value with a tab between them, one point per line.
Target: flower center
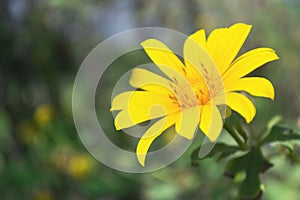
192	93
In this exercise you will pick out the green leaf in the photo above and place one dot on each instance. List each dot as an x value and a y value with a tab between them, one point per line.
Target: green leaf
222	148
290	150
253	163
275	120
287	146
279	134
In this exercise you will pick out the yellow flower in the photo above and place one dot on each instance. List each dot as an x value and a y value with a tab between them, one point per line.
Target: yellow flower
192	91
43	114
80	166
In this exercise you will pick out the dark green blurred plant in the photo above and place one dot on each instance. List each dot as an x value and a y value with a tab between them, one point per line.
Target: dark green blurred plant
246	161
42	45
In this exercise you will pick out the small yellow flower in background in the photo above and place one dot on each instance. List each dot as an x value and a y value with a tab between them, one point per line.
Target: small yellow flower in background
43	195
80	166
43	114
30	130
208	77
77	165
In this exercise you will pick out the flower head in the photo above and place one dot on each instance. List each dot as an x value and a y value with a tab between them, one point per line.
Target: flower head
192	91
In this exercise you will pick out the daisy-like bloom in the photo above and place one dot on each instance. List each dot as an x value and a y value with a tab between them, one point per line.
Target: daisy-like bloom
192	91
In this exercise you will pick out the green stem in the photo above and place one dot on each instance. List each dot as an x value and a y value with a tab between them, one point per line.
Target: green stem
235	136
242	132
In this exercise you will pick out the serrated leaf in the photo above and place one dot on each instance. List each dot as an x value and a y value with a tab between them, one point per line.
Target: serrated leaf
253	163
279	134
223	149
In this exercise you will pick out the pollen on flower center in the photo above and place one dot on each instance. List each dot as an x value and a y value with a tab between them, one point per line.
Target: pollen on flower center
201	91
185	98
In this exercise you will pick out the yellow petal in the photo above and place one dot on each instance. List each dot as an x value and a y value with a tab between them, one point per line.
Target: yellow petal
197	60
248	62
161	55
141	98
123	120
215	37
121	101
199	37
224	44
194	46
187	122
211	122
241	105
151	134
141	106
255	86
144	79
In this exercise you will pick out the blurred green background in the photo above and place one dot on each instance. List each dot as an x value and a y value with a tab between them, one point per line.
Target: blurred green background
42	46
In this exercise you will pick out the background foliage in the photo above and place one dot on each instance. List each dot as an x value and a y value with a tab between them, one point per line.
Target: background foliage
42	46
